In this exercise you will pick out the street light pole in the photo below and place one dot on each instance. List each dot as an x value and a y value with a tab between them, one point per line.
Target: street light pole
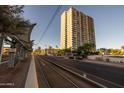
1	46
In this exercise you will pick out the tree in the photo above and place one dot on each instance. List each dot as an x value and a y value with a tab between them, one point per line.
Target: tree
37	51
57	46
8	14
9	18
122	47
64	51
102	50
86	49
80	50
11	22
116	52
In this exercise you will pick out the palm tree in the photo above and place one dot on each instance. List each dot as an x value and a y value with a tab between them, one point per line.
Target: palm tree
9	16
122	47
4	23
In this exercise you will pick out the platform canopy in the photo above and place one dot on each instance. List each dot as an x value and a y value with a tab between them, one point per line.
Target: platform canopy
24	38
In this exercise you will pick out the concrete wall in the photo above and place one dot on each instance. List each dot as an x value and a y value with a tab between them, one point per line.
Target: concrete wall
111	59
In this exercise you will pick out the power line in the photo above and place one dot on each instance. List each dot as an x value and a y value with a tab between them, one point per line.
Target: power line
50	22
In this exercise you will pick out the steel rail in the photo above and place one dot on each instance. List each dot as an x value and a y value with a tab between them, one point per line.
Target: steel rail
43	73
70	81
94	83
99	78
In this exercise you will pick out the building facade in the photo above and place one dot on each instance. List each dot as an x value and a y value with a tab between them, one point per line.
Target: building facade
76	29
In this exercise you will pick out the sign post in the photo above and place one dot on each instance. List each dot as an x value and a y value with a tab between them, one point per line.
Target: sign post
12	55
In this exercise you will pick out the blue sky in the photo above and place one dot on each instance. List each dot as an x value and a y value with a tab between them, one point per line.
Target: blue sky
109	24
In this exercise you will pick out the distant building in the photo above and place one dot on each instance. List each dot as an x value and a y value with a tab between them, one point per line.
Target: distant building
77	29
47	51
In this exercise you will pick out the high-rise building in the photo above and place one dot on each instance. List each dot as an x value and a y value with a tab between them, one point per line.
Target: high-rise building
76	29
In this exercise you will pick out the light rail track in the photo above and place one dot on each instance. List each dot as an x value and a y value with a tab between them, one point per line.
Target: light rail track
64	73
60	75
89	76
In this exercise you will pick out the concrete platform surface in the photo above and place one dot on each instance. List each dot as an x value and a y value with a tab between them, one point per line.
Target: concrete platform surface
31	81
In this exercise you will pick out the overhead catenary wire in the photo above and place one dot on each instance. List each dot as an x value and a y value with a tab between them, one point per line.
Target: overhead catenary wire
50	22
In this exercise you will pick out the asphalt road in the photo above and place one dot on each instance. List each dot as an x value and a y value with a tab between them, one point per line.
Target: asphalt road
98	72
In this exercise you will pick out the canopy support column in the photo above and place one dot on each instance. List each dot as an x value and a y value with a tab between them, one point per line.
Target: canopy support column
12	54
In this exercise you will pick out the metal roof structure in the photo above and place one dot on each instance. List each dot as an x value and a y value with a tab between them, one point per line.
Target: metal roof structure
24	39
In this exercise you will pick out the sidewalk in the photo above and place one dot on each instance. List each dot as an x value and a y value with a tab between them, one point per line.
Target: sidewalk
31	81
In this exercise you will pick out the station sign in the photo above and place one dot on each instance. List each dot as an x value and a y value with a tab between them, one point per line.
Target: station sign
12	50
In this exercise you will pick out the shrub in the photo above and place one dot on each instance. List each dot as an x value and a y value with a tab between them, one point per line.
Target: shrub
107	60
99	59
121	61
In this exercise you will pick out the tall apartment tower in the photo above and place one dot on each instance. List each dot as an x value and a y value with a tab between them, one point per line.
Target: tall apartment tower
76	29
